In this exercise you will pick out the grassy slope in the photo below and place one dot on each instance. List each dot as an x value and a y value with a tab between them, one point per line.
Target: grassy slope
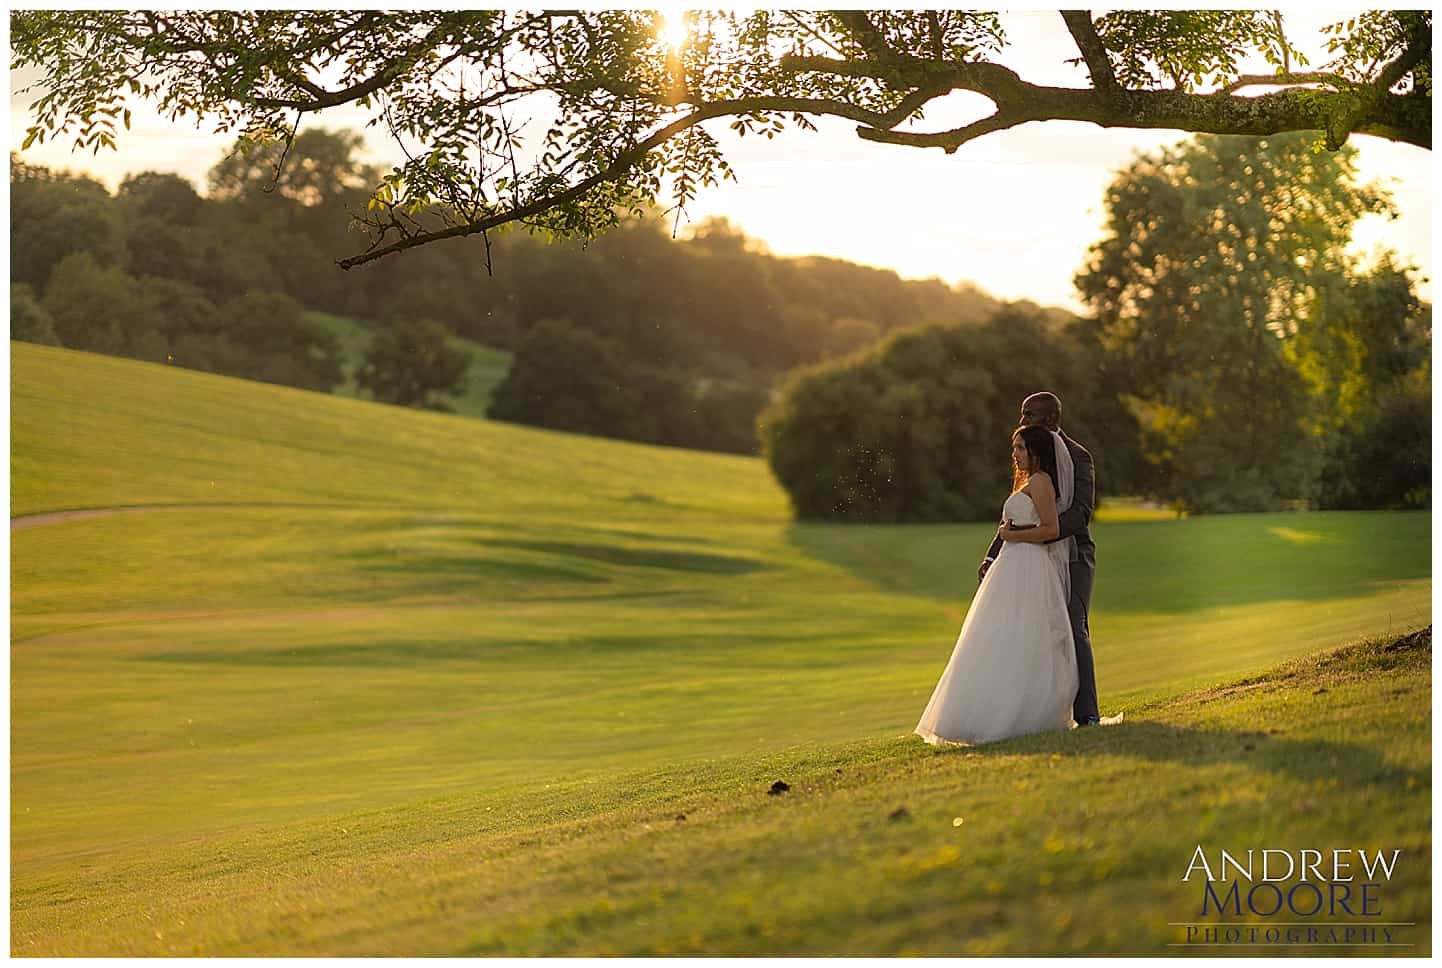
1067	844
488	365
428	627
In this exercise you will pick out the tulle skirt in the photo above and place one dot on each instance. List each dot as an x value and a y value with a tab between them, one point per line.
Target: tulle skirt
1013	670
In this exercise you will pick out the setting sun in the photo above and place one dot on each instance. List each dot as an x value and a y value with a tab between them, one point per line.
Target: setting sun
671	28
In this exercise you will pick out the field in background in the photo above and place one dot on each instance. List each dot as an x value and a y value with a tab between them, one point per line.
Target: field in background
443	680
488	365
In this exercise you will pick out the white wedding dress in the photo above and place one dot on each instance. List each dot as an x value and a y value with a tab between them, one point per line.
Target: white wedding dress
1013	670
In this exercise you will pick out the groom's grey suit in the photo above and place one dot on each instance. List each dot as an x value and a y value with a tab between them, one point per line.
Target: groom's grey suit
1075	522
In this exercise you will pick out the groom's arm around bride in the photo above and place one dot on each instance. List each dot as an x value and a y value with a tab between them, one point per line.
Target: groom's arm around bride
1076	519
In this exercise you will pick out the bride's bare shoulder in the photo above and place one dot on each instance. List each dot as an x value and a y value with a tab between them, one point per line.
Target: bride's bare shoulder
1039	482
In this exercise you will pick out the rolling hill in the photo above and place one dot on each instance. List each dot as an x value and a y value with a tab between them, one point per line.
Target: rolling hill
334	677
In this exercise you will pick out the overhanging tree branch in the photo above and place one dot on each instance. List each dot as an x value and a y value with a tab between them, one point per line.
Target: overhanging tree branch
1084	32
623	163
618	123
1223	112
321	99
1018	102
1419	47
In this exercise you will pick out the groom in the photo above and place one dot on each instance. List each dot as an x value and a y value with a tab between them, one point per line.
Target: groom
1044	409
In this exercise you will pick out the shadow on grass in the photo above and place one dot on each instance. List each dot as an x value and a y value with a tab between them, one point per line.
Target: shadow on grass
335	654
478	526
569	562
1154	567
693	561
1268	749
407	652
414	652
1264	750
422	568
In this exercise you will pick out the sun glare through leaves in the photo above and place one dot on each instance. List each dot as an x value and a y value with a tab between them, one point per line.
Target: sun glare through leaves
671	28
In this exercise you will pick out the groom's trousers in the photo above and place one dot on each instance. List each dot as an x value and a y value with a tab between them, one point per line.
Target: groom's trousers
1083	574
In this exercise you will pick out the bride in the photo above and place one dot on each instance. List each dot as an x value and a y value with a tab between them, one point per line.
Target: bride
1013	670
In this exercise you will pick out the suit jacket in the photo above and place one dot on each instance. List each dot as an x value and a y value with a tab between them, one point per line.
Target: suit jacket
1076	520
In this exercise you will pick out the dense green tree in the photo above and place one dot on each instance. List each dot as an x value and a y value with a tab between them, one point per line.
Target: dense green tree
54	214
918	427
229	259
261	336
726	291
156	247
725	416
711	312
100	308
1379	378
176	307
1095	404
839	289
568	378
715	304
164	196
318	168
294	203
564	120
28	319
1211	285
1369	331
632	288
409	361
160	214
1385	459
271	340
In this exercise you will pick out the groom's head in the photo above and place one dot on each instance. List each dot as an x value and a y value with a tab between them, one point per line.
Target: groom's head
1041	410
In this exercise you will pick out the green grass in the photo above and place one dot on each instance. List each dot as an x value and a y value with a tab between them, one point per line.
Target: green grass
373	680
488	365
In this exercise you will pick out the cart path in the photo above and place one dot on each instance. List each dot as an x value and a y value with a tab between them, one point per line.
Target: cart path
53	517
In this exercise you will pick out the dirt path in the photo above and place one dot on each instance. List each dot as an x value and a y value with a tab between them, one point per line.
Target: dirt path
31	520
53	517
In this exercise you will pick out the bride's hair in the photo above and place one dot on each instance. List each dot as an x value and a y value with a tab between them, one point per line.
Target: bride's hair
1040	445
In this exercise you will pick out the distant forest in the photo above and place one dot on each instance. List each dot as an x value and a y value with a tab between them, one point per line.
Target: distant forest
1255	365
690	336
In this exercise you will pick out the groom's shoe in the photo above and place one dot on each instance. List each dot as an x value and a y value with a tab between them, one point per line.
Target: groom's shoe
1090	721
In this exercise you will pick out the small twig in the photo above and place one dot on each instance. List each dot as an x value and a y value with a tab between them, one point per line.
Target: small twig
1285	79
1282	43
948	141
814	32
280	162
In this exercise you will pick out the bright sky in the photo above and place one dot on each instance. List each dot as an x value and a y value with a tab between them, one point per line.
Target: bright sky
1013	212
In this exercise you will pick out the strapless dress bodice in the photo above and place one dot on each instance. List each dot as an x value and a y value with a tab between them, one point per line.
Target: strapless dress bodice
1020	509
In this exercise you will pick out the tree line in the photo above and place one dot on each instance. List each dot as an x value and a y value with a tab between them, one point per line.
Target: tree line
703	326
1235	357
